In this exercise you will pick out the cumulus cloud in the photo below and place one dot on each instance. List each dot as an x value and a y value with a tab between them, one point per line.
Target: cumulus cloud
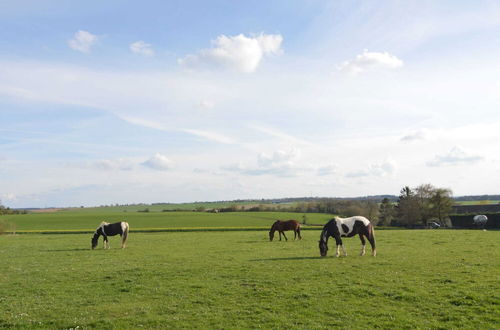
368	61
278	157
238	53
158	162
82	41
377	169
142	48
282	163
455	156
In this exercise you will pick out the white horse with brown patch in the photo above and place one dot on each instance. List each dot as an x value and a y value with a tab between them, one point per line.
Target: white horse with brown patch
347	227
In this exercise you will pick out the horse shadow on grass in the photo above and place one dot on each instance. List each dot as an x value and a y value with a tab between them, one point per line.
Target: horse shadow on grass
289	258
67	250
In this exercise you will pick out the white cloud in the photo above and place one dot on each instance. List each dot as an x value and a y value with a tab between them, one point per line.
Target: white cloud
142	48
281	163
416	136
8	197
371	61
377	169
278	157
159	162
238	53
455	156
82	41
327	170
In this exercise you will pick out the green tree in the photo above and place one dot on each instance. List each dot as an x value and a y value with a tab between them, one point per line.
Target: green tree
408	210
386	212
441	204
423	194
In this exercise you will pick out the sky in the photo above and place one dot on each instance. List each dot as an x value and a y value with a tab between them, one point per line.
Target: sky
105	102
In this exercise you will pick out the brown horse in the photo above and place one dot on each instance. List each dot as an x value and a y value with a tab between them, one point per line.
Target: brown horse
282	226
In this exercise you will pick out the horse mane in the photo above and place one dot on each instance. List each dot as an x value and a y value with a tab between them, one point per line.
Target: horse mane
104	223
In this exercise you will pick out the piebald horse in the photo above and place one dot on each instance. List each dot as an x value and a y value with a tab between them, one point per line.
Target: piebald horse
110	229
281	226
347	227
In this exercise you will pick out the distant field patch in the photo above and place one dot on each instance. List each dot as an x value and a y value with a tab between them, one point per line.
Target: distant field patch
74	220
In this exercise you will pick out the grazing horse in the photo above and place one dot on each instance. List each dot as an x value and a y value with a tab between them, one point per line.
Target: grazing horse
347	227
110	229
281	226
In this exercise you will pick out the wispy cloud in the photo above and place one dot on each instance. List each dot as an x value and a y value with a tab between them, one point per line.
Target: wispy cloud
281	135
142	48
114	164
82	41
456	155
206	104
416	136
212	136
238	53
385	168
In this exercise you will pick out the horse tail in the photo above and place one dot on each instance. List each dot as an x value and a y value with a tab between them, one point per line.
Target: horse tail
125	228
371	238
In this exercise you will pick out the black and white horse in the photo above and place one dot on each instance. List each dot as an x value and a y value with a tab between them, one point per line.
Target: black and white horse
110	229
347	227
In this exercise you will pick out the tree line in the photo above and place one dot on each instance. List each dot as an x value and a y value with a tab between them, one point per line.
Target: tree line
8	210
414	207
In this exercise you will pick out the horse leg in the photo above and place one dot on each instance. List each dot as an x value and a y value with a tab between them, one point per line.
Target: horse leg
371	239
372	243
105	242
286	239
343	250
298	232
339	243
280	234
363	244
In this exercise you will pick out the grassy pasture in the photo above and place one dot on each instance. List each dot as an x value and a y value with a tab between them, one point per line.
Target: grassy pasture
75	220
420	279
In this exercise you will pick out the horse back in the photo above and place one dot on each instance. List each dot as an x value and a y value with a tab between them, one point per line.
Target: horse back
291	224
113	229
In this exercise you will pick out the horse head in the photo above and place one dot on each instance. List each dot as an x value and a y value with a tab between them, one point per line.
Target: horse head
323	247
273	229
94	240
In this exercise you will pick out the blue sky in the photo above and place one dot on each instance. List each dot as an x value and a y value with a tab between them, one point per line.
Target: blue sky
177	101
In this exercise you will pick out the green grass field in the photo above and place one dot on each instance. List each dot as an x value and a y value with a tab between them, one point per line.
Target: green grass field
420	279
